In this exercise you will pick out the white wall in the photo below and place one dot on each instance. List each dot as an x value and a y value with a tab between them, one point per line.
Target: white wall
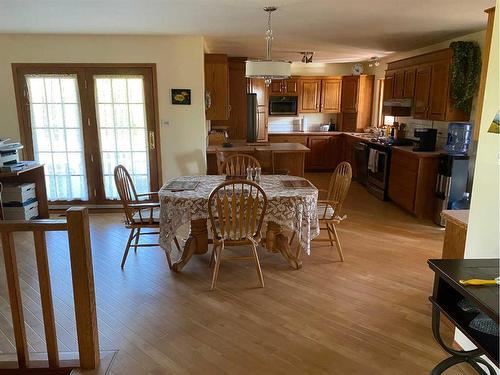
179	62
322	69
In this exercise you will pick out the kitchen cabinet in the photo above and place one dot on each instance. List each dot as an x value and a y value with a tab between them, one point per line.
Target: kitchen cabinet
287	138
318	158
356	102
422	91
216	87
309	95
284	87
426	79
331	90
412	180
258	86
348	152
236	123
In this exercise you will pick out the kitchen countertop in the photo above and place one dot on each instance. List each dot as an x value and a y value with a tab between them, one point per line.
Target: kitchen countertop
307	133
241	146
458	217
420	154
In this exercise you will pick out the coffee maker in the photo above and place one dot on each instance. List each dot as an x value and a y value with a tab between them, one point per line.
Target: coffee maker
426	139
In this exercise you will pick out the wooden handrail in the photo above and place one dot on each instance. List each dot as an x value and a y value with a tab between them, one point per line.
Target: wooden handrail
77	225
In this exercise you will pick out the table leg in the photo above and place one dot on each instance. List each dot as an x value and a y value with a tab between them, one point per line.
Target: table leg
196	243
277	241
457	356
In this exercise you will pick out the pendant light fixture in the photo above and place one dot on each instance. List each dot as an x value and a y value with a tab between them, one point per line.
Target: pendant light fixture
268	69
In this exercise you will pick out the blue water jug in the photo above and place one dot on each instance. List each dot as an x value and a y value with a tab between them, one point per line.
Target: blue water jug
459	137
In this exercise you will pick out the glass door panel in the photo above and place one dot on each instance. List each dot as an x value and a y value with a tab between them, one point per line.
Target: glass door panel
56	128
122	129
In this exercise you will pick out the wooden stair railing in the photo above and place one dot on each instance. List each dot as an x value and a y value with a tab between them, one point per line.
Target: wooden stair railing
77	226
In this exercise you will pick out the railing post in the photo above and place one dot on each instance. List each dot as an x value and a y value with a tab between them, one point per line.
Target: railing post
83	286
16	306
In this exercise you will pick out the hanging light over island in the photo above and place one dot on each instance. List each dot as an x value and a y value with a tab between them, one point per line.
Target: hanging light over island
268	69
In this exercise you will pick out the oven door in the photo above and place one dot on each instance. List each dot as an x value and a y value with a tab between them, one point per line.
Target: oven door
378	168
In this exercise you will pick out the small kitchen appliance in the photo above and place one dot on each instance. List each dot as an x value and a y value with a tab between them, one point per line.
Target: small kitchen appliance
453	172
426	139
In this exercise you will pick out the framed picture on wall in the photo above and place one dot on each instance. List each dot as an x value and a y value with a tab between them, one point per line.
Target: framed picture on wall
181	96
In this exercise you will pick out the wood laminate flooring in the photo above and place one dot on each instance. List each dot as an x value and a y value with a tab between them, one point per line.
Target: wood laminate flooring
368	315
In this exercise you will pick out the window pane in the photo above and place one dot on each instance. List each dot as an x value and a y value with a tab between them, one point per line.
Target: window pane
122	129
57	134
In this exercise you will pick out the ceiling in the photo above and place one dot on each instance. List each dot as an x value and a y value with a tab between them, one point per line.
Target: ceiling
337	30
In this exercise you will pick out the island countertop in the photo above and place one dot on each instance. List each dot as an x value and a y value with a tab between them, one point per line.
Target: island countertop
251	147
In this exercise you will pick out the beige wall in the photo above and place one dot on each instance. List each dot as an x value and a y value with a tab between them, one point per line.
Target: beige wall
179	61
322	69
483	234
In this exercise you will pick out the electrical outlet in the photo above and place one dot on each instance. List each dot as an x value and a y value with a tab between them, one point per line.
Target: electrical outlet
164	123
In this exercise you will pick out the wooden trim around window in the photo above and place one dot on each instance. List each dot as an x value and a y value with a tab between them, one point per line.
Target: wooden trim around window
19	70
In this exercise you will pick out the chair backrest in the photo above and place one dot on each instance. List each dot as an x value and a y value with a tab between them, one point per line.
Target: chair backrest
236	165
236	210
126	190
339	185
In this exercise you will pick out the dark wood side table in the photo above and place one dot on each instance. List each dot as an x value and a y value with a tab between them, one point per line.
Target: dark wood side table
448	292
33	173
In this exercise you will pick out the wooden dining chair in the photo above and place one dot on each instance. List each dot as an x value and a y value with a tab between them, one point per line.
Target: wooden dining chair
236	165
236	211
330	209
140	213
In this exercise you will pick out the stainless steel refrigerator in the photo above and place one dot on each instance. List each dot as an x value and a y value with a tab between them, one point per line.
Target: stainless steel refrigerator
252	118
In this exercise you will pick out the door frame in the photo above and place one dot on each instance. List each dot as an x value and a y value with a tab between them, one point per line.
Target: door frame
19	70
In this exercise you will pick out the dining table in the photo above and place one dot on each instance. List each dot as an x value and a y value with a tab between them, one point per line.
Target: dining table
291	208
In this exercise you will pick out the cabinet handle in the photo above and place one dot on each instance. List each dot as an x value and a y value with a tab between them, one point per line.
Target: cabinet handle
208	100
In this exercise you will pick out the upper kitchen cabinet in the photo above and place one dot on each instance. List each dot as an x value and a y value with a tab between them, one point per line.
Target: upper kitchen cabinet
389	85
356	102
331	89
284	87
236	123
309	95
426	79
216	87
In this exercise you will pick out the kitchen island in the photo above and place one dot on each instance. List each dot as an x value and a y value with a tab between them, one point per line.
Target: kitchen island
273	157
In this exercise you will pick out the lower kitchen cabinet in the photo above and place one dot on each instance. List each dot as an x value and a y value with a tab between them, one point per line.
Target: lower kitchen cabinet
412	180
348	152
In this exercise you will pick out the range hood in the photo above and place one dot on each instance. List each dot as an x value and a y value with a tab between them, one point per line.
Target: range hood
397	107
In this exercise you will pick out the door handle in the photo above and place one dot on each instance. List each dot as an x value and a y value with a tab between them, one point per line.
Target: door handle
152	145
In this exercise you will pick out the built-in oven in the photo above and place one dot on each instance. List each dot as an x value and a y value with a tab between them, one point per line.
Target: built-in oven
283	105
379	161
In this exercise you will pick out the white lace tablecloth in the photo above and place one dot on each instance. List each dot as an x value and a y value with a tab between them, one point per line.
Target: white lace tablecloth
292	208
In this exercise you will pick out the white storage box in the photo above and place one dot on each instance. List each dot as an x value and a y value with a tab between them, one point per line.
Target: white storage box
18	194
27	212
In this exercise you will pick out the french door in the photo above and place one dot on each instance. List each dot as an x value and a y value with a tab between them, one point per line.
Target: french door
82	121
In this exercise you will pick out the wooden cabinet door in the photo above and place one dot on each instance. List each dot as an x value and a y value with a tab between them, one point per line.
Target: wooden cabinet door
216	87
330	95
389	86
291	87
409	84
258	86
276	87
349	122
350	86
422	90
439	90
309	95
335	150
318	158
399	84
261	124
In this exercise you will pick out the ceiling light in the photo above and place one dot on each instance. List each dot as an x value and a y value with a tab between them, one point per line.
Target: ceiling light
268	69
307	57
374	61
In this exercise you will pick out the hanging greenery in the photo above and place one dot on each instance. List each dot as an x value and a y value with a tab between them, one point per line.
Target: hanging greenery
465	73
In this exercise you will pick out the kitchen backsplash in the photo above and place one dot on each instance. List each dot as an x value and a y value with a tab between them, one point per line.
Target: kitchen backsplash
412	124
278	124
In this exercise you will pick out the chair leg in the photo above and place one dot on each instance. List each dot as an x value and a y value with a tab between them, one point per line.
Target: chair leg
257	265
336	236
127	248
177	244
212	256
291	238
329	231
137	239
218	258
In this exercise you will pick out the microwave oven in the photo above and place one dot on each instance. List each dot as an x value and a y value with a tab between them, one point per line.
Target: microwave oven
283	105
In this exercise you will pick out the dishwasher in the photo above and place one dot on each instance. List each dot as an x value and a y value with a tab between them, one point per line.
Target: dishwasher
361	160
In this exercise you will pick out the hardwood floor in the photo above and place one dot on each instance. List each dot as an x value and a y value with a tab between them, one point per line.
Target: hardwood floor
368	315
